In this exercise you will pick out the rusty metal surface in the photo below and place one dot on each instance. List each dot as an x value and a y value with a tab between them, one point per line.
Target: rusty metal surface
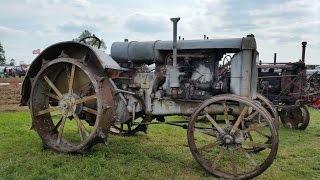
98	94
289	87
72	104
73	49
223	142
295	117
284	85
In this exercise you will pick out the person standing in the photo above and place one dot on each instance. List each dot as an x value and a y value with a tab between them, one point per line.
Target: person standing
5	73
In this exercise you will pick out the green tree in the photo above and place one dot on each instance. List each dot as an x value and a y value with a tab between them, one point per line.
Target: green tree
12	62
90	41
2	55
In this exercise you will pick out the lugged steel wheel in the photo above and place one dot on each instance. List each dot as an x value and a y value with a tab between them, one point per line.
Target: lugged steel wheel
295	117
221	147
72	105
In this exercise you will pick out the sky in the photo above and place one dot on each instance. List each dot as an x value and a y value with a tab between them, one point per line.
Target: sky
278	25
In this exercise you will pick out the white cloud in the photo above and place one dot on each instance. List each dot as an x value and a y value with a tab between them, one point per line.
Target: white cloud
278	26
81	3
4	31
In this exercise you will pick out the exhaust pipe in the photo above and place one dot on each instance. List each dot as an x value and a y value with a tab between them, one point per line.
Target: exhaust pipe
304	43
175	22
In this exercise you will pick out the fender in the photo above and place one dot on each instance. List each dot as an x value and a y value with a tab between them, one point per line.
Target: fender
72	49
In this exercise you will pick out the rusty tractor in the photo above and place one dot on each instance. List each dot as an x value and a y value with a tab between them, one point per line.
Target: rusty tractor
289	88
78	95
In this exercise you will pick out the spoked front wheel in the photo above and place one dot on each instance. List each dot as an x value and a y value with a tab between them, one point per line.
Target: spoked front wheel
72	105
223	128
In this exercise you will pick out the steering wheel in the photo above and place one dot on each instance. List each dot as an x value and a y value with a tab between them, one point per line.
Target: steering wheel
92	43
226	61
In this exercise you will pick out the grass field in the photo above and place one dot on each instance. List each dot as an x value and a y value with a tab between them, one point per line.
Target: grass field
161	154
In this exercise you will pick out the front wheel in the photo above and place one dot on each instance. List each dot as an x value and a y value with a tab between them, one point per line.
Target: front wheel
295	117
223	128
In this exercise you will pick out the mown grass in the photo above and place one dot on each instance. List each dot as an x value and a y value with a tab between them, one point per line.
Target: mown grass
161	154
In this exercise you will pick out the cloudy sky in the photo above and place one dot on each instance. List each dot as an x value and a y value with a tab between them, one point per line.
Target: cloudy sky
279	25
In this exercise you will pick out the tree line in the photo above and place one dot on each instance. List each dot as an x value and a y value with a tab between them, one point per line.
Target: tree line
3	58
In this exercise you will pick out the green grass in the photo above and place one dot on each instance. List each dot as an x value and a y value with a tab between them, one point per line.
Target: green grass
161	154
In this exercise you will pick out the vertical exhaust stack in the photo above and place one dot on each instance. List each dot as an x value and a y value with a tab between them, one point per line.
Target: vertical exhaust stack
174	73
175	22
275	58
304	43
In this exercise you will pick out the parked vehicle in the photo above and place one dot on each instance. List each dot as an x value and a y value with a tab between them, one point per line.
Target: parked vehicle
8	71
77	86
290	87
20	71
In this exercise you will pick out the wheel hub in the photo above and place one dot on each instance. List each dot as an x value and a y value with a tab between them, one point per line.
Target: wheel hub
230	141
68	106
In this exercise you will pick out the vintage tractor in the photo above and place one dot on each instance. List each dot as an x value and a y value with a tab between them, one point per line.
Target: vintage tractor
77	95
289	89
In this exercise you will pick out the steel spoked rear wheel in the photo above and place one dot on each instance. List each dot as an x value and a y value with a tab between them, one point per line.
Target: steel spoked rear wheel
72	105
223	128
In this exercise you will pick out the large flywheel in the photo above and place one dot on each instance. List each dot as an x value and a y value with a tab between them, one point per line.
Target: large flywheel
72	105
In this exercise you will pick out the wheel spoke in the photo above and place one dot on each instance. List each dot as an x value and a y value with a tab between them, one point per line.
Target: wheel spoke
217	159
71	78
262	134
86	98
248	156
53	96
81	127
239	120
225	112
89	110
233	162
205	148
63	122
255	126
51	109
210	132
252	115
55	89
83	87
214	123
254	144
